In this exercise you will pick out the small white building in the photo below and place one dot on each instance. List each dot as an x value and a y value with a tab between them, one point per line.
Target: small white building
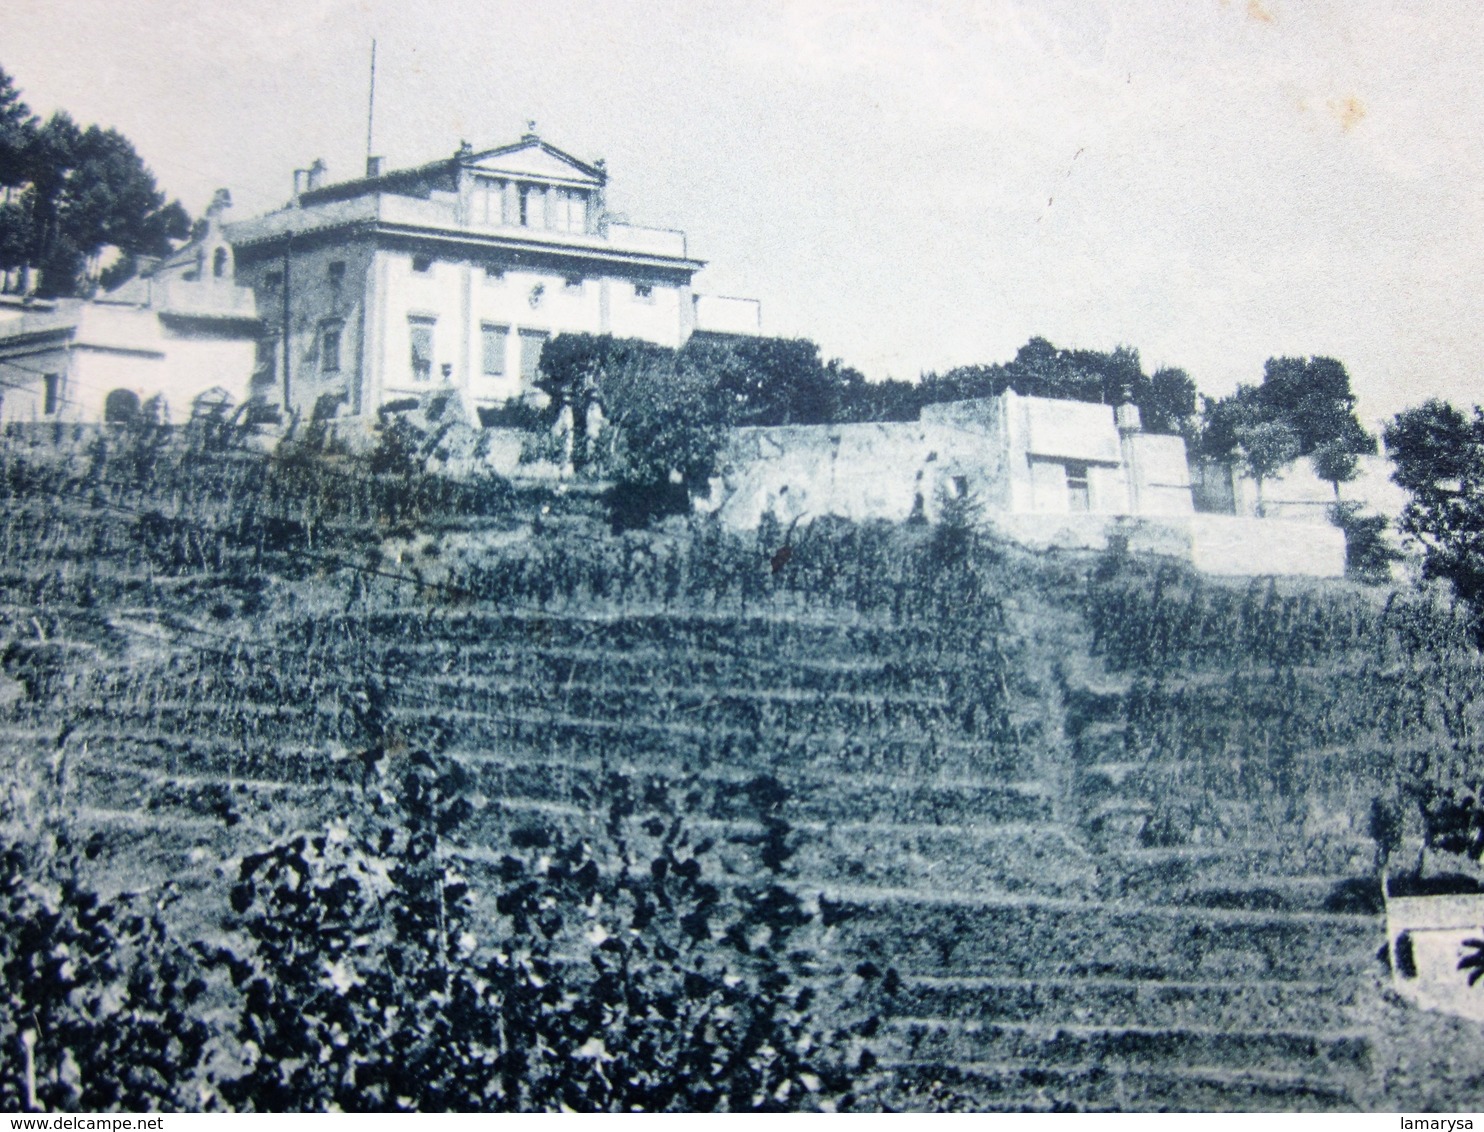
1427	939
453	275
182	333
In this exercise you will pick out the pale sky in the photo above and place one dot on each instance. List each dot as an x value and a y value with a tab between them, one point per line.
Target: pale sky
915	185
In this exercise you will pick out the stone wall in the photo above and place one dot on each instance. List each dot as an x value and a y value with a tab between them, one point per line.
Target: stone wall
1235	545
857	471
1044	473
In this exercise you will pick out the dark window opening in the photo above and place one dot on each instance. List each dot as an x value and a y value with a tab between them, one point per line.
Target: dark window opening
1078	496
273	280
267	367
121	406
337	272
422	263
329	346
421	333
643	290
219	262
574	282
52	395
1406	959
494	271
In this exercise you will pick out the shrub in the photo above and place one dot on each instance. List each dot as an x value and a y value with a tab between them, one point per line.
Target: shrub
99	1008
620	976
1369	556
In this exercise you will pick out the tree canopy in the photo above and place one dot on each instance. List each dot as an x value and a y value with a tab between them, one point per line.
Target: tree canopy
1166	399
665	415
775	381
70	194
1438	455
1309	396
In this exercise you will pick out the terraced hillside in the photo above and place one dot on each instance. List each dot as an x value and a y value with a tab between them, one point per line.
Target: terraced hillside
1105	823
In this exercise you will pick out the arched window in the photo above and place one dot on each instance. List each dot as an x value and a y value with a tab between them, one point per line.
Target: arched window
219	262
121	407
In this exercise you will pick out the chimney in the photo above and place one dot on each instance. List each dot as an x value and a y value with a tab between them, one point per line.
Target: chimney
1127	418
374	166
299	176
316	175
1126	414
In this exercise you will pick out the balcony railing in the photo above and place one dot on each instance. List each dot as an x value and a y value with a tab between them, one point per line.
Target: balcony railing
441	211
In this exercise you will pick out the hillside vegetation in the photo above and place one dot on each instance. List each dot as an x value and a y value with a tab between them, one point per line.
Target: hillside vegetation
340	784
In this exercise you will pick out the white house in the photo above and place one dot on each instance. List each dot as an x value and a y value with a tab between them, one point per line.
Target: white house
454	275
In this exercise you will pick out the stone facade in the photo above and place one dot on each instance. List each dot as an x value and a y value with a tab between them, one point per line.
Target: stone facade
453	275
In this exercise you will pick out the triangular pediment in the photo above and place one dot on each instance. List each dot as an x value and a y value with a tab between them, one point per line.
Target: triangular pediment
534	158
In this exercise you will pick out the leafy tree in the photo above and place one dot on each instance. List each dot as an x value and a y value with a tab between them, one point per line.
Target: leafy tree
1042	370
1437	454
1221	418
1167	404
99	1009
665	428
1313	397
774	381
15	238
964	383
888	400
1265	448
17	131
1166	401
17	128
50	251
1335	462
664	417
69	194
572	369
111	201
1310	396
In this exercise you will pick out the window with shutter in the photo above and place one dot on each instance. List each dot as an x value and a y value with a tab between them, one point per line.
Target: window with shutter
531	344
495	338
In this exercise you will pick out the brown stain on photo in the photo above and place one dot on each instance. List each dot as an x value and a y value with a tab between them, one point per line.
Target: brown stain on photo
1255	11
1347	111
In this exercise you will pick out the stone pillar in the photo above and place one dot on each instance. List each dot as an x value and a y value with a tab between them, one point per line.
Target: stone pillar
1130	425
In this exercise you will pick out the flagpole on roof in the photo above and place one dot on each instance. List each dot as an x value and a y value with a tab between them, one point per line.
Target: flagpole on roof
371	107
